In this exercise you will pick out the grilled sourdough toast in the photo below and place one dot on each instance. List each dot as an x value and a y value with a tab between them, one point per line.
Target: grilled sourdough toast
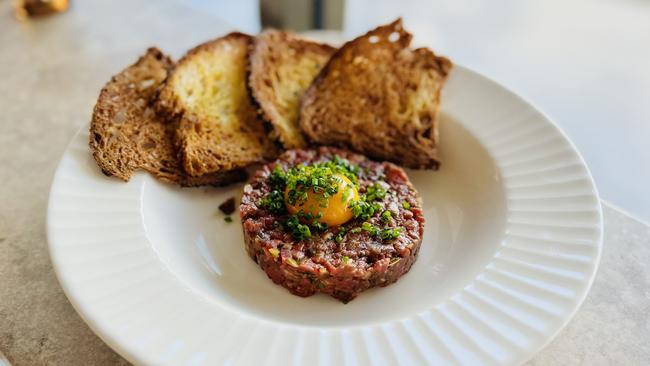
379	97
126	134
217	125
282	66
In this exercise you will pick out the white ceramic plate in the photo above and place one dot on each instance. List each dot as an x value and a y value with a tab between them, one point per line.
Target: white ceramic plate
511	247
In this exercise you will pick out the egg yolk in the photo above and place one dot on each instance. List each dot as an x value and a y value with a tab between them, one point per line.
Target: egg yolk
333	210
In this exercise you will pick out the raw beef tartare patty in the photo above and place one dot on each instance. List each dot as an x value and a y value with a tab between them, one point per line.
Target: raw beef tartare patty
374	247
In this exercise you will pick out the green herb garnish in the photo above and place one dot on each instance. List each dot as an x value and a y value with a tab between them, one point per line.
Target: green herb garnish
293	186
346	195
386	216
274	203
341	234
390	234
406	205
345	164
375	192
322	178
296	229
227	219
319	226
364	210
278	178
366	226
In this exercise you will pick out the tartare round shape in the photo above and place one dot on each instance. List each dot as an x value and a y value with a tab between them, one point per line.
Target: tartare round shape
357	260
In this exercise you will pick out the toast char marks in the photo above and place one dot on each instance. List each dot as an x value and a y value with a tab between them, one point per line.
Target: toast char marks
127	135
282	66
217	124
379	97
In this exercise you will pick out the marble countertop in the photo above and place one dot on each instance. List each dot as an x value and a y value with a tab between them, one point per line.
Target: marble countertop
50	73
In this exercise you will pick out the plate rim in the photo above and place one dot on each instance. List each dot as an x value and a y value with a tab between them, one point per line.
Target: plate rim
134	357
601	226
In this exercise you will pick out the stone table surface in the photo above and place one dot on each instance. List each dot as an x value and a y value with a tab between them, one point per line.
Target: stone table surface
50	73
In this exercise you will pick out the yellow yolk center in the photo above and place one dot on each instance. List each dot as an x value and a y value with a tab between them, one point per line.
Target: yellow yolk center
334	210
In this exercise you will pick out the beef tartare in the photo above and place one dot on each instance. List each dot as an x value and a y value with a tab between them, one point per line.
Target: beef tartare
327	220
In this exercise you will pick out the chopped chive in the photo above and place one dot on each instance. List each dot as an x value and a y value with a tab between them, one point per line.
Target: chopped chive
386	216
273	202
346	195
298	231
341	234
375	192
390	234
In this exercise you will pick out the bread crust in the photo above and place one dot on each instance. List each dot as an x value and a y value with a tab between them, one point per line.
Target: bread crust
380	98
207	144
127	135
281	67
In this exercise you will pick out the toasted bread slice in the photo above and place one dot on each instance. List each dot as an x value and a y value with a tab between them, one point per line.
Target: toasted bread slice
126	134
282	66
218	126
379	97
